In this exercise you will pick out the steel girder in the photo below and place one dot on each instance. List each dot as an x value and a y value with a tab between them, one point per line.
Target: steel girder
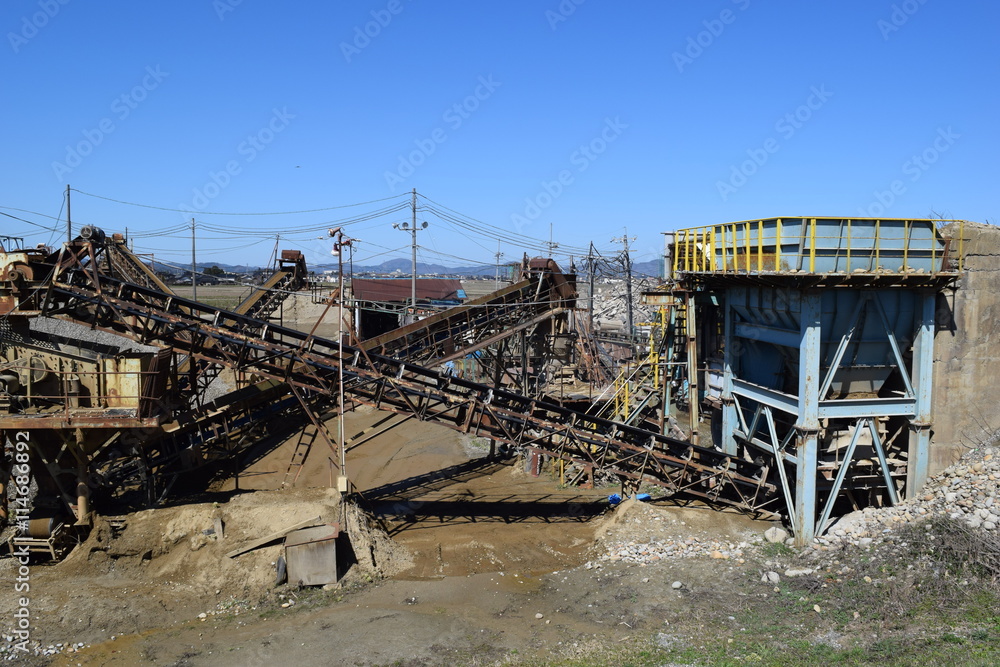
243	343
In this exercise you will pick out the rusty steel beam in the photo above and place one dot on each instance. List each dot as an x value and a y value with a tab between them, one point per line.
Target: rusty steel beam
313	363
462	330
391	341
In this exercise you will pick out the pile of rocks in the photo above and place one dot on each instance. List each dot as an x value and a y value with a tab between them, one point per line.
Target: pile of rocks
968	491
645	553
643	534
611	303
13	650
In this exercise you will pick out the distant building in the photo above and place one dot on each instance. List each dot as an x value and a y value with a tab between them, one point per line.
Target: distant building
382	303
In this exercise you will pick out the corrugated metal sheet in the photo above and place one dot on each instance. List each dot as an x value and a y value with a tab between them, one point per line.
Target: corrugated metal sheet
399	289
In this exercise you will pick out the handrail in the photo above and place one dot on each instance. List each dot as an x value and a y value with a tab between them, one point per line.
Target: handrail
822	245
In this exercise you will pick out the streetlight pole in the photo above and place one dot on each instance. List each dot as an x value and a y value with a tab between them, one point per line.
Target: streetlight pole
338	249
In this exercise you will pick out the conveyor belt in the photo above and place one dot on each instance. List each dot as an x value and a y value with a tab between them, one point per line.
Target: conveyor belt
456	332
313	363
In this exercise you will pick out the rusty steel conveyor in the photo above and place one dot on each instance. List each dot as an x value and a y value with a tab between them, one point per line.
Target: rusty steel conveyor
73	290
542	293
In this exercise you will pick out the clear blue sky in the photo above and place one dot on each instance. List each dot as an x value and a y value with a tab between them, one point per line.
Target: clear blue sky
655	116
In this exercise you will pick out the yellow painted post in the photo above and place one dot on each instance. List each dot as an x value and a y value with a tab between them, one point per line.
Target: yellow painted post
711	244
760	246
812	245
746	245
687	250
696	259
777	245
704	242
736	250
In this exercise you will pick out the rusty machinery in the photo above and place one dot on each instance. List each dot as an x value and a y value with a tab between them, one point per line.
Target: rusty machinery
104	414
69	285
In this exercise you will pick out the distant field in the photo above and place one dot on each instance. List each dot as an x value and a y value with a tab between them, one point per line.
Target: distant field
228	296
218	296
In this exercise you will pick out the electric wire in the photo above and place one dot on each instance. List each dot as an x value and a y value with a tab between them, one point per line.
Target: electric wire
179	210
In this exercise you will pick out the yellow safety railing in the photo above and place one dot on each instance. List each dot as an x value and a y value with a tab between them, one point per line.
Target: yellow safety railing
856	244
648	373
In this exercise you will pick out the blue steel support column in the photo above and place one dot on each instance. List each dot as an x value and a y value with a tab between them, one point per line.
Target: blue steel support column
729	417
922	375
807	424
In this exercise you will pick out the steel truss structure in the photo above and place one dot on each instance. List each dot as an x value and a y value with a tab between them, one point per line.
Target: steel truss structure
72	288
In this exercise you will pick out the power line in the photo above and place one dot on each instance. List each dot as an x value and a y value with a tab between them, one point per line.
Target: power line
29	222
498	230
179	210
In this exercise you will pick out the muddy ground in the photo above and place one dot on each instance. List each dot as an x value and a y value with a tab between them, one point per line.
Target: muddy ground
479	564
477	549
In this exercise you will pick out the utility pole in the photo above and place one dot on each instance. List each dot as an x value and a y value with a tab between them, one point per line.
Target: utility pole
498	256
338	248
627	261
413	263
551	244
412	228
274	258
591	266
69	218
194	266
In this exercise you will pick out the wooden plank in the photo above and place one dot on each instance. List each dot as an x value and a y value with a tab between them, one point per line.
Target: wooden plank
256	544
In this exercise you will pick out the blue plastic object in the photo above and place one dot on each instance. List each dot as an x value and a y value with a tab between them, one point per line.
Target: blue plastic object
614	499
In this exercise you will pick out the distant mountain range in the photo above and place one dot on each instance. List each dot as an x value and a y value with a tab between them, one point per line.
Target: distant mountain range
401	267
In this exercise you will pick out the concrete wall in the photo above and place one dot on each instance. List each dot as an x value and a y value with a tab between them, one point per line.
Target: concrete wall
967	350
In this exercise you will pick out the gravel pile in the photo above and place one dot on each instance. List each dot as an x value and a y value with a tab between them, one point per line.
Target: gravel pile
643	534
968	491
11	650
645	553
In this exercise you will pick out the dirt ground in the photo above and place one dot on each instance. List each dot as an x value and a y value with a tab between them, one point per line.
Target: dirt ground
477	549
463	560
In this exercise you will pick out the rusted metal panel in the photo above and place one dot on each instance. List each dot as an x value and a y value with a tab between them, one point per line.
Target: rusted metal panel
392	289
122	380
658	299
8	304
154	383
